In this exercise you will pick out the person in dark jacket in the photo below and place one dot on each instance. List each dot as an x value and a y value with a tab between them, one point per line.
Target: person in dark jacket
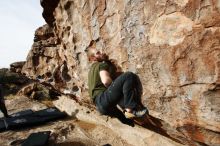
2	103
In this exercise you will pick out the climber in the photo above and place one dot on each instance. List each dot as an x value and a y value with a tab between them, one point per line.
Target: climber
108	91
2	103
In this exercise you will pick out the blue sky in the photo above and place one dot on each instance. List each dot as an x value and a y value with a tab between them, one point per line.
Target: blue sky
19	20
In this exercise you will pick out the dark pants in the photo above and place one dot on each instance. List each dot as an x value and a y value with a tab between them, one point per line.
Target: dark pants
2	103
125	90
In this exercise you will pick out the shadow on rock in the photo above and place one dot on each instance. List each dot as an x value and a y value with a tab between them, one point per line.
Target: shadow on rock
11	82
121	117
77	143
151	123
162	128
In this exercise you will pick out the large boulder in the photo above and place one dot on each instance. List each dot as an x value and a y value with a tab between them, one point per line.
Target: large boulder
12	82
17	66
38	91
9	77
172	45
49	6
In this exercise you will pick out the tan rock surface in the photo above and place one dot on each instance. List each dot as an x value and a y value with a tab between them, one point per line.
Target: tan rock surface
172	45
64	132
132	135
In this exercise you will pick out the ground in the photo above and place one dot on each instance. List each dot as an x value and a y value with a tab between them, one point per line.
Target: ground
65	132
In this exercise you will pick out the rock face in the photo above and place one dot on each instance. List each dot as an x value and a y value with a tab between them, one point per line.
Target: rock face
174	47
17	66
38	91
133	135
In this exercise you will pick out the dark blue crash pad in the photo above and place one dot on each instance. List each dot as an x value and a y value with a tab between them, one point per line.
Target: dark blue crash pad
50	114
3	124
29	118
37	139
22	113
3	121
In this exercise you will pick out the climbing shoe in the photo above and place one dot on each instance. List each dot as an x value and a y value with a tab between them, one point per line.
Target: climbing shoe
136	113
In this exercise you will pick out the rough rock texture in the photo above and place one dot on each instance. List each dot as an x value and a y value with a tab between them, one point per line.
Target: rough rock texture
64	132
172	45
38	91
11	82
17	66
136	135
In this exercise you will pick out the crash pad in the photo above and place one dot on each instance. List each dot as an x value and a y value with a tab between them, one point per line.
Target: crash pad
37	139
29	118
